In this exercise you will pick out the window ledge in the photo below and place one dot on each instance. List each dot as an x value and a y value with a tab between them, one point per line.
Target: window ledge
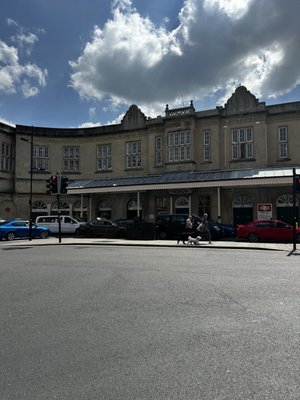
103	171
243	160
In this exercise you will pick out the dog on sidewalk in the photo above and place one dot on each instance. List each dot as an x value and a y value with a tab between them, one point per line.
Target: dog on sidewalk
194	241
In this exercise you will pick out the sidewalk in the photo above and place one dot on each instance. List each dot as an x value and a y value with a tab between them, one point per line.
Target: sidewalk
229	244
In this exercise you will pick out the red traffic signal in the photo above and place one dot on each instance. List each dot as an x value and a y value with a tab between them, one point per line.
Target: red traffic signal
297	183
52	185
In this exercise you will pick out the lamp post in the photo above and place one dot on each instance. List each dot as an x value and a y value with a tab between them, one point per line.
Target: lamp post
30	190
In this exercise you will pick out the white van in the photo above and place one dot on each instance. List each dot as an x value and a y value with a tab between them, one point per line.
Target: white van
68	224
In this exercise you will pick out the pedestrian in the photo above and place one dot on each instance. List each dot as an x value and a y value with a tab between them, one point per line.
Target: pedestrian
204	227
183	236
189	224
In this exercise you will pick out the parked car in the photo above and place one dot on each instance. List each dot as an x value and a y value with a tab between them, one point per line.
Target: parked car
68	224
170	226
20	229
101	227
267	230
228	230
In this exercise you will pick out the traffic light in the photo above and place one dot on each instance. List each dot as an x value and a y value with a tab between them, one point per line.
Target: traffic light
48	186
63	184
52	185
297	183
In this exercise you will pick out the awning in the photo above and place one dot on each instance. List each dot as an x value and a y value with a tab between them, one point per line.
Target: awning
186	180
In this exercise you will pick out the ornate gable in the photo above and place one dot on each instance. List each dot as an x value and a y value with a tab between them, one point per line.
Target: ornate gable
134	118
242	101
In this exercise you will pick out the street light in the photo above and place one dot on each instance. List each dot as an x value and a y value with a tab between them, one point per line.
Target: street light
30	191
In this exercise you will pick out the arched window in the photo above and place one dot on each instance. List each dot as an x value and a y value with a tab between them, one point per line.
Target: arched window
38	208
80	210
285	200
242	202
182	205
64	208
104	209
132	208
285	209
242	209
204	205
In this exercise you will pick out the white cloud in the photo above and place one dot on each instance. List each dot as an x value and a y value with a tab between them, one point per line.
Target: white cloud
232	8
216	45
15	76
6	122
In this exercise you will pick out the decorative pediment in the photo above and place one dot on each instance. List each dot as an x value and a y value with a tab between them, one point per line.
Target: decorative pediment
134	118
242	101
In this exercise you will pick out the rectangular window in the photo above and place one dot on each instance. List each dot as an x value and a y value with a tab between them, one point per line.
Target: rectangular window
242	144
206	145
134	154
71	159
158	151
40	158
6	157
179	146
104	157
283	142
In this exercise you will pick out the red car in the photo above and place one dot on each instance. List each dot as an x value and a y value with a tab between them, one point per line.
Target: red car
267	231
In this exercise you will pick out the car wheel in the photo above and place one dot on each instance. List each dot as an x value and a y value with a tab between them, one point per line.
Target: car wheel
10	236
163	235
44	234
253	237
298	237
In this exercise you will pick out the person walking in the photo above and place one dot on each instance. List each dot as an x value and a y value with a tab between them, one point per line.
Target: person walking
204	227
187	231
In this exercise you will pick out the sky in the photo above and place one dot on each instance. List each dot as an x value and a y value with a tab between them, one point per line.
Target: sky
81	63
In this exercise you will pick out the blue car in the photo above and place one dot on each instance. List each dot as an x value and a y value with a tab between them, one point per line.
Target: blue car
227	230
10	230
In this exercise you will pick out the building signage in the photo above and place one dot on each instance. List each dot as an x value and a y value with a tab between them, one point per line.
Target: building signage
264	211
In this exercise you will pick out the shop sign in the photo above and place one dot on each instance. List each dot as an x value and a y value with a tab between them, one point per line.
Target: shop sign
264	211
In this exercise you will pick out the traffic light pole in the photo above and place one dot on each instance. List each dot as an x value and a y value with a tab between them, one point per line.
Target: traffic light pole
57	185
59	218
294	209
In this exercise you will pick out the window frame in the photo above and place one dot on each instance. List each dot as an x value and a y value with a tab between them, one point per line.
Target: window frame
283	142
104	157
40	157
179	146
242	143
133	154
71	158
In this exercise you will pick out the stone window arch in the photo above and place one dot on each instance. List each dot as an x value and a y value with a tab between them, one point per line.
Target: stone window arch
242	207
285	209
242	202
182	205
132	209
132	205
285	200
182	202
39	208
64	208
104	209
80	210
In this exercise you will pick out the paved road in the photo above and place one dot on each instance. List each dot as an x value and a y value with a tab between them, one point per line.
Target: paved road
146	323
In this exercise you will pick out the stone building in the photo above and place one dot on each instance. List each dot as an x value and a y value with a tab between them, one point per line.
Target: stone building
234	162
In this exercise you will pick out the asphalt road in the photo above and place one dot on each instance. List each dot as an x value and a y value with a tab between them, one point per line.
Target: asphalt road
109	322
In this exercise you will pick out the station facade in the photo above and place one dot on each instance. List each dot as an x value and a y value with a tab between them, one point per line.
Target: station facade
234	162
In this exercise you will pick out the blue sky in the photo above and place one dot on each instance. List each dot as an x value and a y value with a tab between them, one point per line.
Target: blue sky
72	63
